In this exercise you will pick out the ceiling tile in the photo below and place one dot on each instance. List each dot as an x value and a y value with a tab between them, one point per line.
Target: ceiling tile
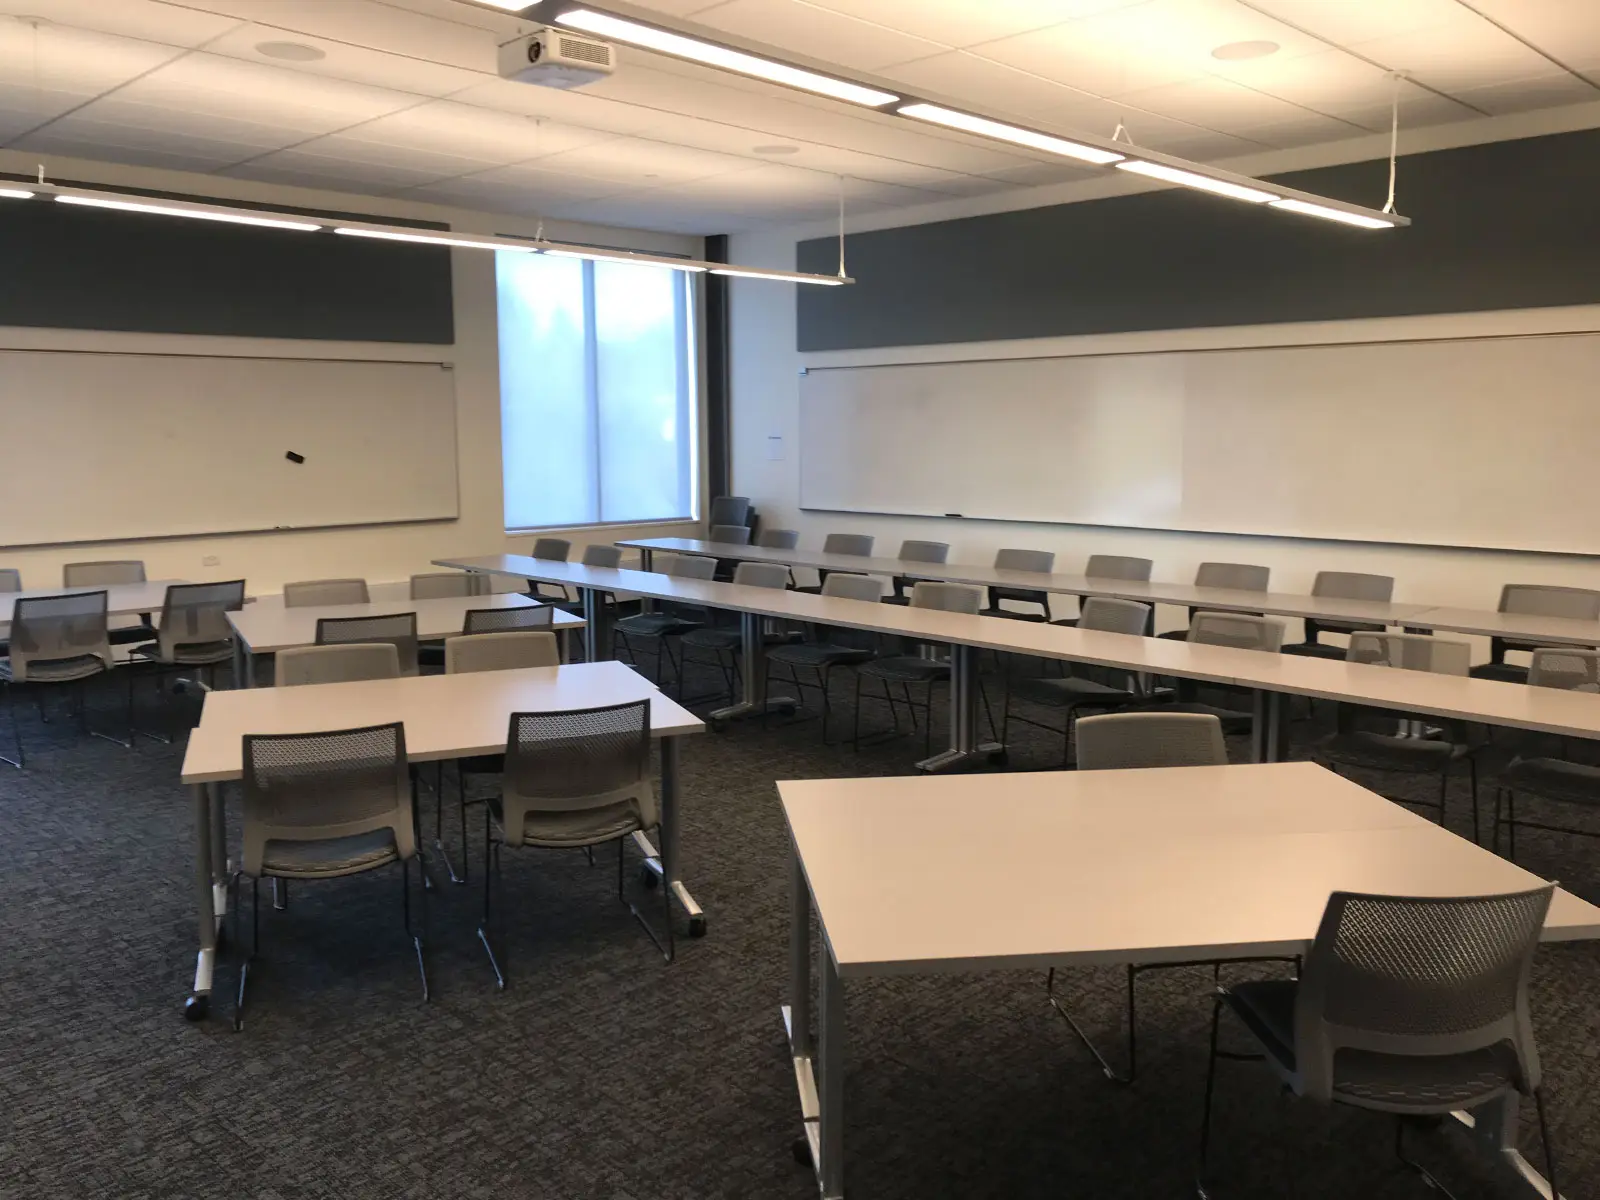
167	155
465	133
1343	22
1231	108
1567	31
1526	95
830	36
971	24
1469	53
213	148
641	162
47	71
143	19
251	137
996	88
1341	85
582	108
512	190
357	64
293	166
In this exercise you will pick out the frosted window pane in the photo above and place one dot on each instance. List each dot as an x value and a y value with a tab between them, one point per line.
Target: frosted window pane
547	424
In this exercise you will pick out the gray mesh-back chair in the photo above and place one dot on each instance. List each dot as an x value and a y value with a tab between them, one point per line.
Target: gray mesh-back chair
912	550
731	535
325	806
1136	741
1356	744
1341	585
500	620
906	670
659	630
1555	779
193	632
1407	1005
1230	705
1037	562
1087	687
550	549
1235	577
778	539
1115	567
824	647
506	651
10	579
596	554
1534	599
854	545
336	664
109	573
59	641
444	585
600	555
397	629
725	643
573	779
729	510
307	592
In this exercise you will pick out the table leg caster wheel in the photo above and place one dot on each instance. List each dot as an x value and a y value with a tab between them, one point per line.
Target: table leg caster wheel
647	876
801	1149
197	1007
697	926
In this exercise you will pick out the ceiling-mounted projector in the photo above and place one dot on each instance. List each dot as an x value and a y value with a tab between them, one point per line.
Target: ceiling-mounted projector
555	58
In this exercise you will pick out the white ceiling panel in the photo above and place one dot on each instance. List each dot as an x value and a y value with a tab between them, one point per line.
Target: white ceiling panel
147	20
1526	95
459	131
1345	22
1468	53
640	162
202	151
356	64
971	22
169	155
832	36
1567	30
349	174
249	137
573	108
53	69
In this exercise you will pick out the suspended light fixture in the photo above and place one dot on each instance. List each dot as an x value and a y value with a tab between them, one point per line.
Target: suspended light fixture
433	239
15	194
984	127
1204	183
198	212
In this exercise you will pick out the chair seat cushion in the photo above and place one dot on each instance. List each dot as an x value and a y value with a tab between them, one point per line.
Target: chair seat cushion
1314	650
655	625
131	634
57	670
195	654
713	639
1072	692
1233	720
1553	779
331	857
1386	752
582	827
906	669
817	654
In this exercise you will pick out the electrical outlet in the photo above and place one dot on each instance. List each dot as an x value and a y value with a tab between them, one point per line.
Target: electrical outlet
211	560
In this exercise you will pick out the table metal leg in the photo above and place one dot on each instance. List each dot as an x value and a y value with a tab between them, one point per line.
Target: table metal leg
965	748
211	893
647	562
753	698
597	637
818	1062
244	665
666	863
1269	730
829	1157
1494	1128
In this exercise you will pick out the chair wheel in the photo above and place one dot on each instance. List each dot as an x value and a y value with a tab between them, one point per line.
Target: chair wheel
647	876
801	1149
197	1008
697	926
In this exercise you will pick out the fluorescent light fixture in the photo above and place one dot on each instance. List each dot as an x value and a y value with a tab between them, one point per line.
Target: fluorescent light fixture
432	239
200	214
16	194
509	5
1333	214
722	57
984	127
1190	179
556	250
782	276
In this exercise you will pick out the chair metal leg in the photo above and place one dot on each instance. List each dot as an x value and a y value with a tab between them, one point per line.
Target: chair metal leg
1201	1181
405	908
1511	824
490	870
1428	1177
1106	1068
438	831
1494	834
255	943
16	726
280	894
1472	783
668	951
1549	1147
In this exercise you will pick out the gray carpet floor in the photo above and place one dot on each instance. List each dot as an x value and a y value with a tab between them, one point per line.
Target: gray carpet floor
601	1071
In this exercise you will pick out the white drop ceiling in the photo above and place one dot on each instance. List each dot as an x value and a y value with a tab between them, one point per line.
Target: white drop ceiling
406	101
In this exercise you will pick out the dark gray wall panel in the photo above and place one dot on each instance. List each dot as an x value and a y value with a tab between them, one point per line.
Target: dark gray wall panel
1504	225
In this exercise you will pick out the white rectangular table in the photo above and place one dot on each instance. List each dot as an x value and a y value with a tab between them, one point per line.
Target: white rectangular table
268	625
446	717
122	599
1516	627
1093	867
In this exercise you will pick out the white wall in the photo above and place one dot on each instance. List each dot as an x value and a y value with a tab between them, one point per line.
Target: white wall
765	368
381	552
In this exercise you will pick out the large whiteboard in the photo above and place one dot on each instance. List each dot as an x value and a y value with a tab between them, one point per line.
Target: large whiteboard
1491	442
101	447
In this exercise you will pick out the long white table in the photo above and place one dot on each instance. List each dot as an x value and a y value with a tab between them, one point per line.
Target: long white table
1272	677
122	599
1094	867
446	717
1516	627
268	625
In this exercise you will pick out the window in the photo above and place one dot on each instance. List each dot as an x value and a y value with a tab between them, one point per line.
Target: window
596	392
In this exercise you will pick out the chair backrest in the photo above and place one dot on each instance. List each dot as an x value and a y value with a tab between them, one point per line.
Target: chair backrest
767	575
1565	667
691	566
912	550
1243	577
336	664
731	535
1117	566
552	549
1119	741
1411	652
598	554
1041	562
586	761
1352	585
195	614
500	651
306	592
397	629
1237	630
307	787
1544	600
858	544
1113	616
498	620
1413	976
47	629
10	579
441	585
101	574
846	586
948	597
779	539
729	510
